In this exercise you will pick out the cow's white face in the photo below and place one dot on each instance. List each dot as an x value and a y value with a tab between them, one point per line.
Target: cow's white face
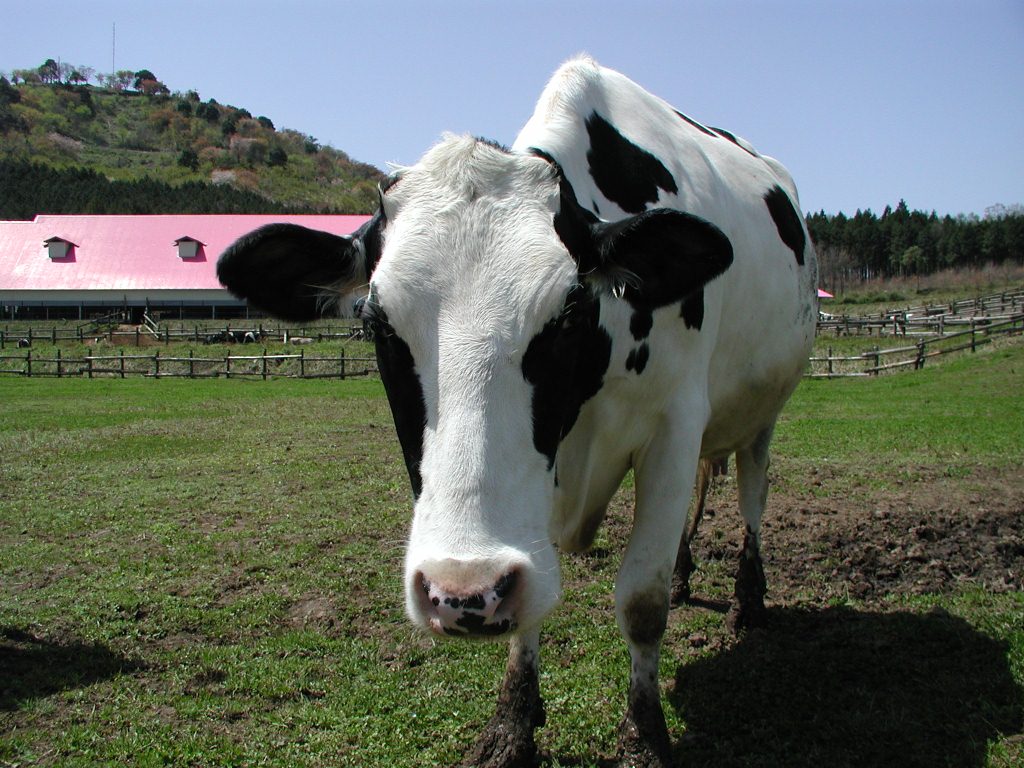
488	344
471	272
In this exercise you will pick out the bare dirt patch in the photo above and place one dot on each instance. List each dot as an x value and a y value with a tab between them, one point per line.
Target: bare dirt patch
932	535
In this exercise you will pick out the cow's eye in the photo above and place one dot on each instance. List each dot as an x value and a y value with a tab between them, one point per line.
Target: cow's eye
371	313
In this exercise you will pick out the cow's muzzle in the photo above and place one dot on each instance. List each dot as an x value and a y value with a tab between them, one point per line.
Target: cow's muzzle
455	607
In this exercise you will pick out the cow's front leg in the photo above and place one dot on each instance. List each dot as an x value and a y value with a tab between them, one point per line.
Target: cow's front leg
643	740
664	477
507	740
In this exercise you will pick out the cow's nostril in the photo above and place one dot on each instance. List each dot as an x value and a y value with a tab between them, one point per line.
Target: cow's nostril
506	584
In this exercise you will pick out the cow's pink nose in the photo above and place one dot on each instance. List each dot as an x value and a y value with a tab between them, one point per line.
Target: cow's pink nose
485	613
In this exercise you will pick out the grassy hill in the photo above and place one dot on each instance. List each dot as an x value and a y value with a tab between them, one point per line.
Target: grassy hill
165	141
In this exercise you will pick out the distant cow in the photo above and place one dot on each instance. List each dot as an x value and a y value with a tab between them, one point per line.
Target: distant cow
623	288
232	337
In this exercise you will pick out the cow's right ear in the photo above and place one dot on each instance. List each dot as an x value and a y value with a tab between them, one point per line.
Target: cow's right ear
296	273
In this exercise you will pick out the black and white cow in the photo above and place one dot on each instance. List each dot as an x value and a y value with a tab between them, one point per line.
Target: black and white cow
624	288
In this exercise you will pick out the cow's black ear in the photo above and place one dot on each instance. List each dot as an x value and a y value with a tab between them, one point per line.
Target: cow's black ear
297	273
654	258
658	257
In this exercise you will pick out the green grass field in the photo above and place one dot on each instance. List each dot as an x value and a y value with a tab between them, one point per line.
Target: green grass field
208	573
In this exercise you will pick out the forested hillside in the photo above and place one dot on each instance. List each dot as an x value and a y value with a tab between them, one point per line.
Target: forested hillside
128	141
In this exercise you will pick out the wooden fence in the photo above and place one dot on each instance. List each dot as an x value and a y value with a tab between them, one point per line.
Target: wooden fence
877	361
298	366
148	334
930	319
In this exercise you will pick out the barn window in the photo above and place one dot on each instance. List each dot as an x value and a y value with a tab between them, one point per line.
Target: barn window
58	247
189	247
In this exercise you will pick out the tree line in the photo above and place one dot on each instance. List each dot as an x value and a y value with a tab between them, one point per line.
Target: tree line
52	72
902	242
27	189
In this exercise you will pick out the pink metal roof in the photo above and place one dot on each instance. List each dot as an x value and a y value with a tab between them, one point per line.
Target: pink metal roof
131	252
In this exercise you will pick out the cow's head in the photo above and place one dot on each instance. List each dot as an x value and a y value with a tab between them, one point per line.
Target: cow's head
484	279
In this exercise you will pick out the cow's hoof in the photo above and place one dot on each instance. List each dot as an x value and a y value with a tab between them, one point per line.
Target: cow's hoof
680	594
503	745
747	610
746	615
644	742
643	758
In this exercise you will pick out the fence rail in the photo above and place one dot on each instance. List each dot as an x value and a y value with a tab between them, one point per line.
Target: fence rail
936	335
926	320
296	366
148	334
878	360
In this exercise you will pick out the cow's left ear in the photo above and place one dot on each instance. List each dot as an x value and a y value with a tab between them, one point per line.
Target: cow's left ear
657	257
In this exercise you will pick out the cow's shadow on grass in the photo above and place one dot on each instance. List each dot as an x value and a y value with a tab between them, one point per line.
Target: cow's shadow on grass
31	667
840	687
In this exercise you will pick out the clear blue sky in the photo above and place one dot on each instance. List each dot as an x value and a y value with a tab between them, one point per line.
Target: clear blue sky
866	101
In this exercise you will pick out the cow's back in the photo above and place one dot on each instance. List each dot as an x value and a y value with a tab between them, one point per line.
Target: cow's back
742	343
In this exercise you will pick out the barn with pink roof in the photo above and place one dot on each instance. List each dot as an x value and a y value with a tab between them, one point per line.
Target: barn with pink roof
80	266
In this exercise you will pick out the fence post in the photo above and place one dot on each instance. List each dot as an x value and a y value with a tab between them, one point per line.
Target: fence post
830	362
28	360
191	364
227	366
156	365
88	361
919	362
59	372
263	361
302	363
878	360
343	363
974	341
122	362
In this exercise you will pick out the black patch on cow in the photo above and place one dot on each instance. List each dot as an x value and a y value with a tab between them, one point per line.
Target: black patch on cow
637	359
626	174
787	221
695	124
475	624
641	322
405	394
692	310
565	363
731	137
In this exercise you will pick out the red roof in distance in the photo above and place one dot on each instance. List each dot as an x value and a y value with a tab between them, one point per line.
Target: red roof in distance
132	252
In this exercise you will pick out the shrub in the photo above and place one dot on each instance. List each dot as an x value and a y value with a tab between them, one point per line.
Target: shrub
277	157
189	159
